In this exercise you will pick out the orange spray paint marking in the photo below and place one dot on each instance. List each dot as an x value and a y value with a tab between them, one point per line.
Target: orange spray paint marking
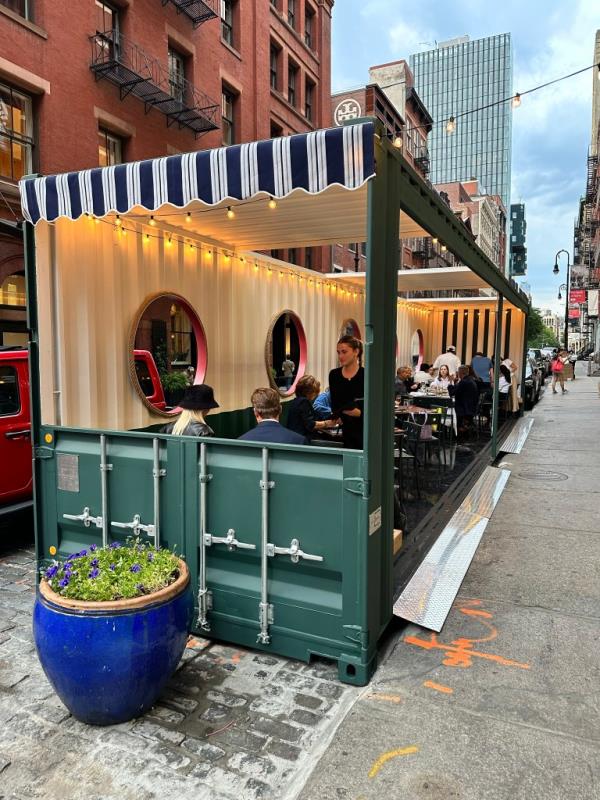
386	698
438	687
404	751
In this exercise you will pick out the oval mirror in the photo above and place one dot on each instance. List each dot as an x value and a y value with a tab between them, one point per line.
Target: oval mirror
167	352
350	327
285	352
417	349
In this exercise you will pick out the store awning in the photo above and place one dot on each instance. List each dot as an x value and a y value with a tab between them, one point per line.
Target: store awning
310	162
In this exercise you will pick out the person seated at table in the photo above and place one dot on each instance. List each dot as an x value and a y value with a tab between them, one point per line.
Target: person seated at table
196	403
450	359
322	405
443	380
504	380
423	376
404	382
483	369
266	404
466	398
301	414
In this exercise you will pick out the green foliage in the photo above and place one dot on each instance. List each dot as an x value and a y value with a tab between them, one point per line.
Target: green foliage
160	359
538	334
171	381
116	572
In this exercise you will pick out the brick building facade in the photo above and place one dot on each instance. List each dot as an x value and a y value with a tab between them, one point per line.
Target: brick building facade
94	83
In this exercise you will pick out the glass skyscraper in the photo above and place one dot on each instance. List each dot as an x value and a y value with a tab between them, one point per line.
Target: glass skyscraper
457	77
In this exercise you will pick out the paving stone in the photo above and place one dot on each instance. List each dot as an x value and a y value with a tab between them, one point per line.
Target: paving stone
235	737
332	691
283	750
166	714
178	702
226	699
11	677
307	701
267	660
251	764
257	789
294	680
4	762
50	710
171	757
280	730
197	643
216	713
31	727
150	730
304	717
203	749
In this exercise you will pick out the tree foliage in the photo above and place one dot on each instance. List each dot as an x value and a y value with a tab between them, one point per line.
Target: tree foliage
538	334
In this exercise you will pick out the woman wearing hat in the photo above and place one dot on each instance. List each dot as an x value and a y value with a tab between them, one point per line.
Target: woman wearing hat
196	403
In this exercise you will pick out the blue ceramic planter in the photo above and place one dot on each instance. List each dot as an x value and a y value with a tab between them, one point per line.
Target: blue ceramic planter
108	662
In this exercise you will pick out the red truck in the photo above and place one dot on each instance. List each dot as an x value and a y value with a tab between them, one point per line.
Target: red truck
16	482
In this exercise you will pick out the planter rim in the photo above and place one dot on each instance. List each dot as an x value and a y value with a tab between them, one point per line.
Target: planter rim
118	605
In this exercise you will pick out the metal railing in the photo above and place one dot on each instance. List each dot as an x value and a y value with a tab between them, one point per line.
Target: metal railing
198	11
124	63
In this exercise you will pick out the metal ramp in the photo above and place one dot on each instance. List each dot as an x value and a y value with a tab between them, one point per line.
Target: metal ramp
516	438
429	595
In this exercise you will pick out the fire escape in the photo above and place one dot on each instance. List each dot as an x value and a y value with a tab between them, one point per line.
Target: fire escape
422	160
126	65
198	11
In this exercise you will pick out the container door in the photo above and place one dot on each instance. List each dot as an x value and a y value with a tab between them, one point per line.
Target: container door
15	433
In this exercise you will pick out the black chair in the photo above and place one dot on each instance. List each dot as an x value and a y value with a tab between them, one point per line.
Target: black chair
406	453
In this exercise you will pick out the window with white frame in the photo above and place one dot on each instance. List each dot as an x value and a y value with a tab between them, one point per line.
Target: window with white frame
110	148
16	133
176	74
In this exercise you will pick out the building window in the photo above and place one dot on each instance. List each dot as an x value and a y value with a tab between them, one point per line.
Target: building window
309	100
274	3
227	118
274	67
276	130
227	21
176	75
107	28
292	13
20	7
292	80
16	134
110	148
308	258
292	255
309	25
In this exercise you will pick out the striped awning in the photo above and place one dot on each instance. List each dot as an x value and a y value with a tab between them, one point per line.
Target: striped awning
311	162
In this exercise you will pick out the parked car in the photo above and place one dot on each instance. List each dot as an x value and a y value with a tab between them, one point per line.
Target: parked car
542	361
534	380
16	482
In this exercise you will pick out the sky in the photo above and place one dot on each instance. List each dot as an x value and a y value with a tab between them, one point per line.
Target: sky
552	127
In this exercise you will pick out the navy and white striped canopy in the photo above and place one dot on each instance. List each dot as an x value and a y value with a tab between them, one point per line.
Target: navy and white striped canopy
312	162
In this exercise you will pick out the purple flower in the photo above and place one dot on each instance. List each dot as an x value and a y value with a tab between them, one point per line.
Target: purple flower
64	582
94	562
114	545
93	573
51	571
67	568
150	556
93	548
135	568
83	553
112	567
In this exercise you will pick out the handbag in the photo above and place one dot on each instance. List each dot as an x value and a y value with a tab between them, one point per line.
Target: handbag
557	365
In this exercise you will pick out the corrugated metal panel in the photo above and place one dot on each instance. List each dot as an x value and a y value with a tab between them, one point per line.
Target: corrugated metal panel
517	437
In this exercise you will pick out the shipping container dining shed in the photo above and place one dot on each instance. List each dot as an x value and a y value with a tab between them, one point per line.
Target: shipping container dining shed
290	547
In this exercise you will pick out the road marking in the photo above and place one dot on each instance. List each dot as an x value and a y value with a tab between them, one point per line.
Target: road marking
404	751
388	698
438	687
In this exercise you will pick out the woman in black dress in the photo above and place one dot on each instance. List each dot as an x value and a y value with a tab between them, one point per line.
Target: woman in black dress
301	415
347	387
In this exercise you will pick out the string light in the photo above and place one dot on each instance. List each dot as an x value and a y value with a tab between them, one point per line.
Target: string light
168	242
230	212
147	237
435	240
118	221
188	217
443	248
450	125
272	203
516	101
152	222
397	142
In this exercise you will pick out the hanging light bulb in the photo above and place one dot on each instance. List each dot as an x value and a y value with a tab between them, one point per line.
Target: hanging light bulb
451	125
230	212
397	142
272	203
208	254
169	242
435	240
516	101
118	221
147	237
443	248
152	221
188	217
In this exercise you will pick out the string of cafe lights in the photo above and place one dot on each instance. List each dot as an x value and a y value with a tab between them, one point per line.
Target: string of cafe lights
169	239
514	100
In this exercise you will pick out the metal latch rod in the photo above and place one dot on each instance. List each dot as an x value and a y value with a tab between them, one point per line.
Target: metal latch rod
293	551
135	525
229	540
86	518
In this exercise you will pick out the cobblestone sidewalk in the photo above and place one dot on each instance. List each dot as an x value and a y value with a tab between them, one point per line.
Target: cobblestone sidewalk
231	723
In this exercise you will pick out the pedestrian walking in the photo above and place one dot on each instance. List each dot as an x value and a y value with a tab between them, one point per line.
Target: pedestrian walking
572	362
557	365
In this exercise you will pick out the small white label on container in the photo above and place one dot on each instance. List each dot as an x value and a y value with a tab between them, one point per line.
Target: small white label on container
374	521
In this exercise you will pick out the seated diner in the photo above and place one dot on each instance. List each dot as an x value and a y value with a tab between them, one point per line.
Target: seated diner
301	414
266	404
196	403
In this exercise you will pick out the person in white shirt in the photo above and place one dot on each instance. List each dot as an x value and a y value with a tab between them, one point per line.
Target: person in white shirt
450	359
422	376
444	379
504	380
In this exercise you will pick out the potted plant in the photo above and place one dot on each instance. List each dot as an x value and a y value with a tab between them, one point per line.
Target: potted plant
174	384
110	625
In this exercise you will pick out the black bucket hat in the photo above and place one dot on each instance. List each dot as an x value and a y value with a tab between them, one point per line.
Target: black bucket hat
198	398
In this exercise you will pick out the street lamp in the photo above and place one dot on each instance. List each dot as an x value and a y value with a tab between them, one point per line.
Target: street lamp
560	288
556	270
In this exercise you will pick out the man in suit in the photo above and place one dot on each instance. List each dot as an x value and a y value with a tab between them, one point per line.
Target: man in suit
267	410
466	399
